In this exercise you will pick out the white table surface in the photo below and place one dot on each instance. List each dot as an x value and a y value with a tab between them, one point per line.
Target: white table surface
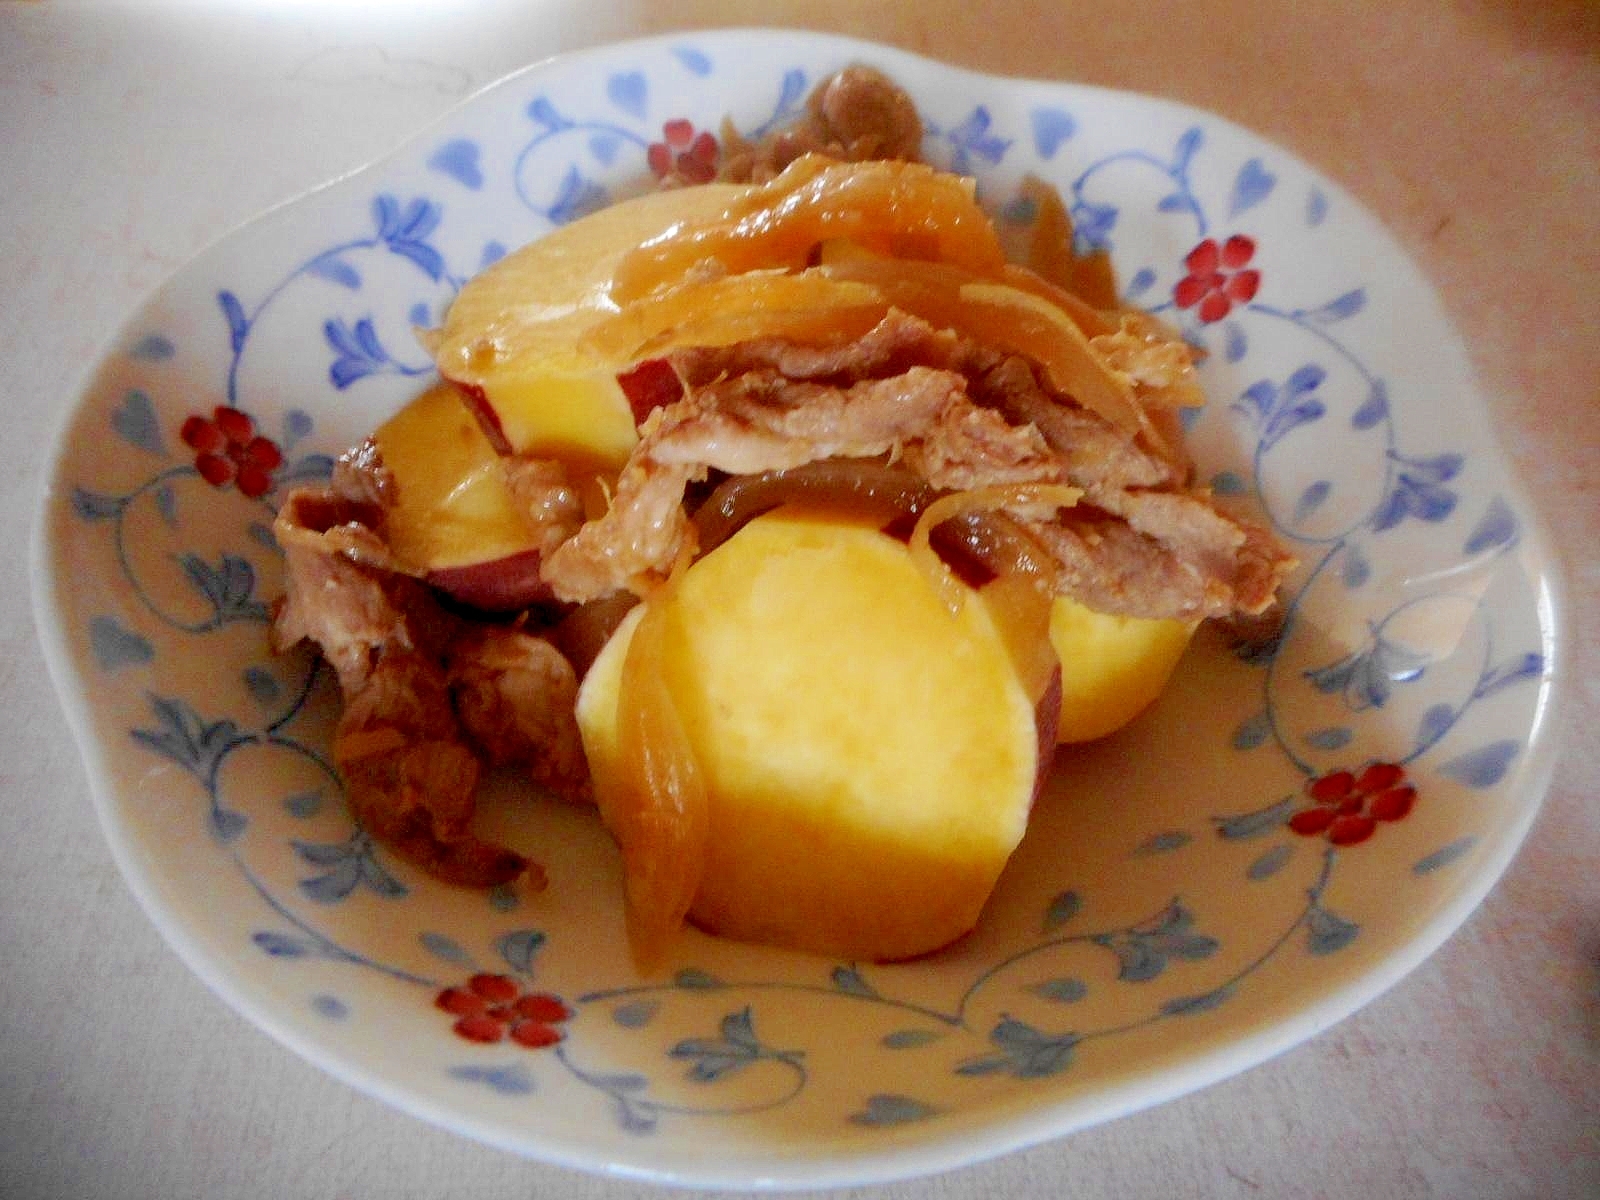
133	135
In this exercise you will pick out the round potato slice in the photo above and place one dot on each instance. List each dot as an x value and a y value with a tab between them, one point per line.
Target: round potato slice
869	757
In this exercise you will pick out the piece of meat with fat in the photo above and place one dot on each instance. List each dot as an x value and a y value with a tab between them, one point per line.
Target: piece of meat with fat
543	490
960	418
762	421
1240	562
1106	565
339	589
419	686
516	696
411	781
634	543
967	447
1157	363
1231	565
1098	457
854	115
895	344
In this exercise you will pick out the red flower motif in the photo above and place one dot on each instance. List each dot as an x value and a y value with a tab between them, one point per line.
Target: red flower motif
492	1007
683	152
1347	807
1217	279
228	450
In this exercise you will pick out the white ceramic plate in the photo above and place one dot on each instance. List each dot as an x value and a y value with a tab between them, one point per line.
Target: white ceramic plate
1183	906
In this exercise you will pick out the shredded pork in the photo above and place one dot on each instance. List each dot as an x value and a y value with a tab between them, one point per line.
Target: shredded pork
763	421
429	697
432	698
960	418
856	115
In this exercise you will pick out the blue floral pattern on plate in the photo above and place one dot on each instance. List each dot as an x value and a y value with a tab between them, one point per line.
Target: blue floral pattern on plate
1329	798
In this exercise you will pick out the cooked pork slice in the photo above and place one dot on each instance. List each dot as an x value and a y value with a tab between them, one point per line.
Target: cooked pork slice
1105	565
634	543
1235	565
410	781
754	422
1099	458
341	594
516	696
1166	555
856	115
966	447
543	490
1240	561
1154	359
891	347
1099	455
762	421
409	771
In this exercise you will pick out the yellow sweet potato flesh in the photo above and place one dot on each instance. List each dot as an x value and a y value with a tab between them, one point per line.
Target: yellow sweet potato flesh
1112	667
451	505
514	331
869	757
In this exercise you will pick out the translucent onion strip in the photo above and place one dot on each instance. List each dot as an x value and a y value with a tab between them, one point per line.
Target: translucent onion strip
859	486
906	209
1033	498
657	807
805	307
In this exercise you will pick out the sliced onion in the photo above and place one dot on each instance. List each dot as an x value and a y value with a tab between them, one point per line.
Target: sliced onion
973	540
1093	321
1003	547
1053	251
996	544
863	486
583	632
657	808
1020	605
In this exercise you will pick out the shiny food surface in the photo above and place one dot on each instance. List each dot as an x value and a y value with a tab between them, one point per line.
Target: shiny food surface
1465	129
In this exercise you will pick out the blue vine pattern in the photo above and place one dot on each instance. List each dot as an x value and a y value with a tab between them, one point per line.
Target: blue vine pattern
401	229
602	140
1340	531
